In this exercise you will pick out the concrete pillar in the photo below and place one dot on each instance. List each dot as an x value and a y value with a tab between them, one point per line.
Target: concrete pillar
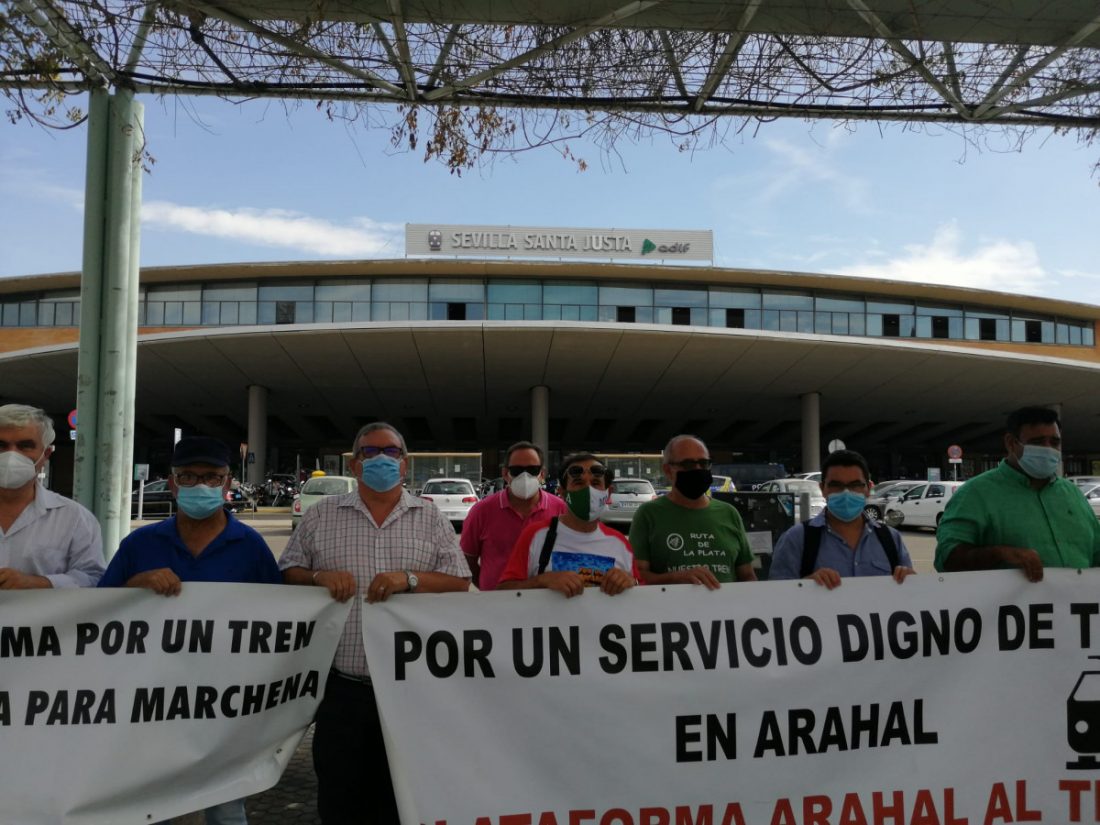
257	433
811	432
108	313
540	418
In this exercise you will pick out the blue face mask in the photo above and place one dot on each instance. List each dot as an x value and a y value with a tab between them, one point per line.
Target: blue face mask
1040	462
381	473
200	501
846	505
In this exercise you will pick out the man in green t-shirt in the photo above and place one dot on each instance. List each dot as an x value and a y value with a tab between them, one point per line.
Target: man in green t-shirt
686	537
1020	514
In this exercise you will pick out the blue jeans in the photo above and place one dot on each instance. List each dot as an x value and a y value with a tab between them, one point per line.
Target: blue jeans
228	813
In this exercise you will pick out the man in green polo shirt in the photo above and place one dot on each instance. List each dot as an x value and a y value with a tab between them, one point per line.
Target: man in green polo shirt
1020	514
686	537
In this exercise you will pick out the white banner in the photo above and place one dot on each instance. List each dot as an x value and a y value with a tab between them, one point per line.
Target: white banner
968	699
122	706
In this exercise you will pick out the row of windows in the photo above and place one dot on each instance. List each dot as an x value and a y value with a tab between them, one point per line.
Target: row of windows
230	304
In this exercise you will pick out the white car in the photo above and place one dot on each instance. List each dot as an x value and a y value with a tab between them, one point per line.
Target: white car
314	490
883	494
797	486
627	495
1092	495
922	506
453	496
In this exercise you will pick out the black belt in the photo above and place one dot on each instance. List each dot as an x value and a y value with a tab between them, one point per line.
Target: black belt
359	680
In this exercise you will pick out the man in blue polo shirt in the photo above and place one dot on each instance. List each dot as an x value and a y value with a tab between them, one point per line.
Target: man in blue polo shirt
201	543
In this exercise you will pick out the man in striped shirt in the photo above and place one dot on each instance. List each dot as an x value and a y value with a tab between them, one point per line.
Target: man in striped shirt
374	542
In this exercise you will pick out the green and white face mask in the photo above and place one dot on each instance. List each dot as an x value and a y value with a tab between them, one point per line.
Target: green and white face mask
587	503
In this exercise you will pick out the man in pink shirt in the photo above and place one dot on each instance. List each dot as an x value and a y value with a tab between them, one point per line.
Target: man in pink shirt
494	523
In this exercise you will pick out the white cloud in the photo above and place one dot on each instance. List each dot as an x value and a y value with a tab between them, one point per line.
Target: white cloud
360	237
799	167
992	264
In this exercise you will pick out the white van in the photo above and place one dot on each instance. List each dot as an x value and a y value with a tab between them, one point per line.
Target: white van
923	505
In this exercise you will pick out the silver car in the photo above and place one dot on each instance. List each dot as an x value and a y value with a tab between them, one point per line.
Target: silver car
797	486
627	495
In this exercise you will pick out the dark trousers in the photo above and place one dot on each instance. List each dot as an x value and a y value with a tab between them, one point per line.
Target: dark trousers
349	757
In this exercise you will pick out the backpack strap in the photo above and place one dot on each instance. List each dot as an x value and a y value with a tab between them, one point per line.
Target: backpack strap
811	543
548	545
886	539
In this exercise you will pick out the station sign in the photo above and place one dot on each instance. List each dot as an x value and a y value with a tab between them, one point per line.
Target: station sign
454	240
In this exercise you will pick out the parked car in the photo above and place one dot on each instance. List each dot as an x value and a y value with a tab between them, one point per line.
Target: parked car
797	486
882	494
1092	496
722	484
923	505
1085	483
453	496
315	490
814	476
627	495
157	502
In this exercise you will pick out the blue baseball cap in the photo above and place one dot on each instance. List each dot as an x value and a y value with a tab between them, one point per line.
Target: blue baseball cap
199	449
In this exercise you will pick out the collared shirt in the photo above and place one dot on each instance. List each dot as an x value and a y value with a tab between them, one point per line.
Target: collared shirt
492	527
339	533
868	559
237	554
57	538
1001	507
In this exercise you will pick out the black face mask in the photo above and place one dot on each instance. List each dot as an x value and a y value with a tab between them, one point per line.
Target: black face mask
693	483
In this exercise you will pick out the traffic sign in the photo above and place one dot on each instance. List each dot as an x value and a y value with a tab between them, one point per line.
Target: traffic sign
954	451
835	445
72	419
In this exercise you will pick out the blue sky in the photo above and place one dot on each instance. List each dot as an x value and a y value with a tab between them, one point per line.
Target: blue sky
252	182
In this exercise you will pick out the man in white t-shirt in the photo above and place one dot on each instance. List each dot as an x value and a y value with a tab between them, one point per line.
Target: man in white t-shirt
574	550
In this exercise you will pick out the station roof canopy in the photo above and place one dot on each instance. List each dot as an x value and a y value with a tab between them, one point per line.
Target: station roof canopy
1027	62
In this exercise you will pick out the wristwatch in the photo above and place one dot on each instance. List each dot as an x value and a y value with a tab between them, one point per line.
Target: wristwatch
412	580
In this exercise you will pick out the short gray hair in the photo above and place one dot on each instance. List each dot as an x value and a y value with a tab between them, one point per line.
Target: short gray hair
366	429
22	415
667	451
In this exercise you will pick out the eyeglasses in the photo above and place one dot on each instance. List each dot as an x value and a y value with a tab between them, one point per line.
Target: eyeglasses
851	486
530	469
576	471
191	479
691	464
374	452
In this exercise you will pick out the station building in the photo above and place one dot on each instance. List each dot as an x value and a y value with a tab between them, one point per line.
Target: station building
468	354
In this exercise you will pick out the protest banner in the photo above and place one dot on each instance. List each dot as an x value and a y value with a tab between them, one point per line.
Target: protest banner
964	699
122	706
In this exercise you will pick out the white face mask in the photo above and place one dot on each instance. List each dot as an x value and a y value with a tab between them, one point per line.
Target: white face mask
15	470
524	486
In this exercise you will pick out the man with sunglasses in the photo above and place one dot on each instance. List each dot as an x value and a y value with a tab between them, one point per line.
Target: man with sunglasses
203	542
574	550
494	523
686	537
374	542
840	541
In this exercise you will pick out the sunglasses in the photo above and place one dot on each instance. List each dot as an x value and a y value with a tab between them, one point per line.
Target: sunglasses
576	471
530	469
692	464
374	452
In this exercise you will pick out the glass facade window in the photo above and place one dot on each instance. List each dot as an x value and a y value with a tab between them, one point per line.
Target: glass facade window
457	291
734	298
350	300
788	300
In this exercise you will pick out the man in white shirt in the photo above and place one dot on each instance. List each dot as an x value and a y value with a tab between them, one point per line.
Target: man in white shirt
46	540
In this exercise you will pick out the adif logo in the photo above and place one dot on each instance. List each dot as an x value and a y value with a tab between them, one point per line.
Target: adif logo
435	240
668	249
674	541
